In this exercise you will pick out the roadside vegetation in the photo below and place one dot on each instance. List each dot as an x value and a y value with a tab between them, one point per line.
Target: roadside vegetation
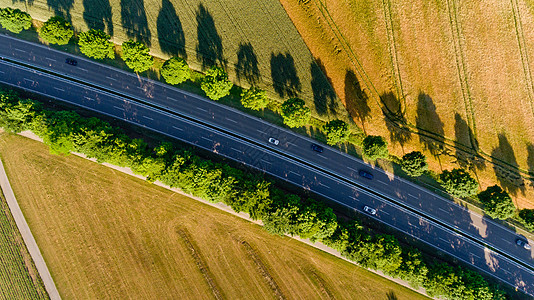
19	278
281	212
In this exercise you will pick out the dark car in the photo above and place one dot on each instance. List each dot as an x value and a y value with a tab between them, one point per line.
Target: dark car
522	243
317	148
365	174
71	61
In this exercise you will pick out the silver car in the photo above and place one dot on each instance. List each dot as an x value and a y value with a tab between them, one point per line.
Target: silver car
369	210
522	243
274	141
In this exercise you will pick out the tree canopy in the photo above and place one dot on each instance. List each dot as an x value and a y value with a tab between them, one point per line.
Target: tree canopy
95	43
216	84
458	183
136	56
15	20
295	112
374	147
254	98
336	131
497	203
56	31
414	163
175	70
527	217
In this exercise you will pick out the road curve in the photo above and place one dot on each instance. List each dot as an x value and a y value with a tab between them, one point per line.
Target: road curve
320	173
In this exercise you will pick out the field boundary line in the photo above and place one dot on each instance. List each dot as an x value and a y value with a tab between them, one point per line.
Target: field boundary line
523	52
27	235
461	68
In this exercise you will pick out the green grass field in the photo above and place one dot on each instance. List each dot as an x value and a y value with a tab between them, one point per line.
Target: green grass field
105	234
254	40
457	71
19	278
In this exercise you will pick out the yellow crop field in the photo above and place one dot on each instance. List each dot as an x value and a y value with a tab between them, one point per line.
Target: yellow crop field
457	74
105	234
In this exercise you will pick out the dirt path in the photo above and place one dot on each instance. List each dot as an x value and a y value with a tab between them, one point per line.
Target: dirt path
27	235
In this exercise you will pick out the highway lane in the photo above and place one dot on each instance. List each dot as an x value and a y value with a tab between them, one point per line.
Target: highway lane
255	155
472	224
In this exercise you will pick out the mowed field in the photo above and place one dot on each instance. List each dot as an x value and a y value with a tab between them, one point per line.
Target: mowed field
455	70
254	40
19	278
108	235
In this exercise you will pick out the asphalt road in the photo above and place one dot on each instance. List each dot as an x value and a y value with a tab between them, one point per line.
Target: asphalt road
332	174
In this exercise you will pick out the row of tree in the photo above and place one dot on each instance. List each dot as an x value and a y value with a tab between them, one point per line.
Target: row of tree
281	212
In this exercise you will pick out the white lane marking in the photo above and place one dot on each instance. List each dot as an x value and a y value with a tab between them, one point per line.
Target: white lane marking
413	225
322	156
506	271
234	121
119	108
170	98
446	241
151	119
29	80
59	89
506	241
445	211
291	143
475	255
413	196
382	182
205	138
48	58
352	169
260	131
265	161
294	173
322	184
178	128
385	212
17	49
88	98
2	72
354	198
111	78
237	150
202	109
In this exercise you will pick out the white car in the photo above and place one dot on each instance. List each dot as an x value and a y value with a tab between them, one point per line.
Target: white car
274	141
369	210
522	243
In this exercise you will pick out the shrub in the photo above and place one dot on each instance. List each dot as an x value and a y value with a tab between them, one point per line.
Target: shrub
527	217
375	147
254	98
136	56
175	70
96	44
497	203
295	112
336	131
216	84
56	31
458	183
15	20
414	164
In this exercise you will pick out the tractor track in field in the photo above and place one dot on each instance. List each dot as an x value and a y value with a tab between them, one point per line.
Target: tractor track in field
461	67
523	52
393	55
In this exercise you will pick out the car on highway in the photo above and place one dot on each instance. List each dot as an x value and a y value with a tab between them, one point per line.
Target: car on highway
369	210
274	141
317	148
523	243
71	61
365	174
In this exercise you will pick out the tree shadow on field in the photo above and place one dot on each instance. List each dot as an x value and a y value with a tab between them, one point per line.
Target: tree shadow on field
391	296
61	7
429	124
323	94
395	119
465	144
133	18
530	162
171	35
508	176
284	74
247	64
97	15
29	2
209	48
356	100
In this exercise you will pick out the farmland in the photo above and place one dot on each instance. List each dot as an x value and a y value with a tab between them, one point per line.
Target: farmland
19	278
458	72
254	40
104	234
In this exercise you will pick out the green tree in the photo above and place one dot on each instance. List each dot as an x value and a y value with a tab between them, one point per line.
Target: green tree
527	216
336	131
375	147
497	203
412	269
295	112
15	20
443	281
56	31
136	56
414	164
458	183
254	98
315	221
216	84
95	43
175	70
